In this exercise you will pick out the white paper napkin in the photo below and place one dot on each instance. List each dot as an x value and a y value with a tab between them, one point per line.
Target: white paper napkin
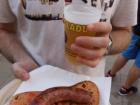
49	76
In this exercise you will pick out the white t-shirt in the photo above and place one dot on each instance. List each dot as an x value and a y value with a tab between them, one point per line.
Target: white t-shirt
41	29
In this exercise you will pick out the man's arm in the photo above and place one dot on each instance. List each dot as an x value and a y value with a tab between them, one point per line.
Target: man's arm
12	48
120	39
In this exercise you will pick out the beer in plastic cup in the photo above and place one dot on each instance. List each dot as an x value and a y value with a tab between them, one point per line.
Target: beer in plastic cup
75	23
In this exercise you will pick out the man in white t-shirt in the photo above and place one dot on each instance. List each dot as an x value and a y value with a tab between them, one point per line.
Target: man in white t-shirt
32	34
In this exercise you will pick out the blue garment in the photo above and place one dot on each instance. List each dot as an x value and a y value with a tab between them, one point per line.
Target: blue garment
133	51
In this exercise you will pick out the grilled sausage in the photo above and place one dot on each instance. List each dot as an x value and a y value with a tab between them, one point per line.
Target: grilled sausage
62	94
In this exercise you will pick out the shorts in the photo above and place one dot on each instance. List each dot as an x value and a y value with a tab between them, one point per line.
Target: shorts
133	51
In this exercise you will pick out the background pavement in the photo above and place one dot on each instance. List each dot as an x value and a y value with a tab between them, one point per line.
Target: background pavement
6	76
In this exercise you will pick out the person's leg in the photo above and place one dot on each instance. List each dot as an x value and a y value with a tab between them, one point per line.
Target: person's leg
133	75
119	63
134	72
129	53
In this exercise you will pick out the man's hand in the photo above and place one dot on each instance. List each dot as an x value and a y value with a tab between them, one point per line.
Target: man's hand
90	49
12	48
21	69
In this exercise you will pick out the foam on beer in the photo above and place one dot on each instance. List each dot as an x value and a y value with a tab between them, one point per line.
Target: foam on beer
82	15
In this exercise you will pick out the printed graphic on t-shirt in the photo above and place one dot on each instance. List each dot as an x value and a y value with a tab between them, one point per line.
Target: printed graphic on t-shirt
106	6
93	2
46	10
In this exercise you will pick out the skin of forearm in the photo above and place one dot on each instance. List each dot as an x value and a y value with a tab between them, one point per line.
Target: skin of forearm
120	39
11	47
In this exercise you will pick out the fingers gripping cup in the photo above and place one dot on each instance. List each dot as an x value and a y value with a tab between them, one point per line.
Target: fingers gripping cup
76	19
